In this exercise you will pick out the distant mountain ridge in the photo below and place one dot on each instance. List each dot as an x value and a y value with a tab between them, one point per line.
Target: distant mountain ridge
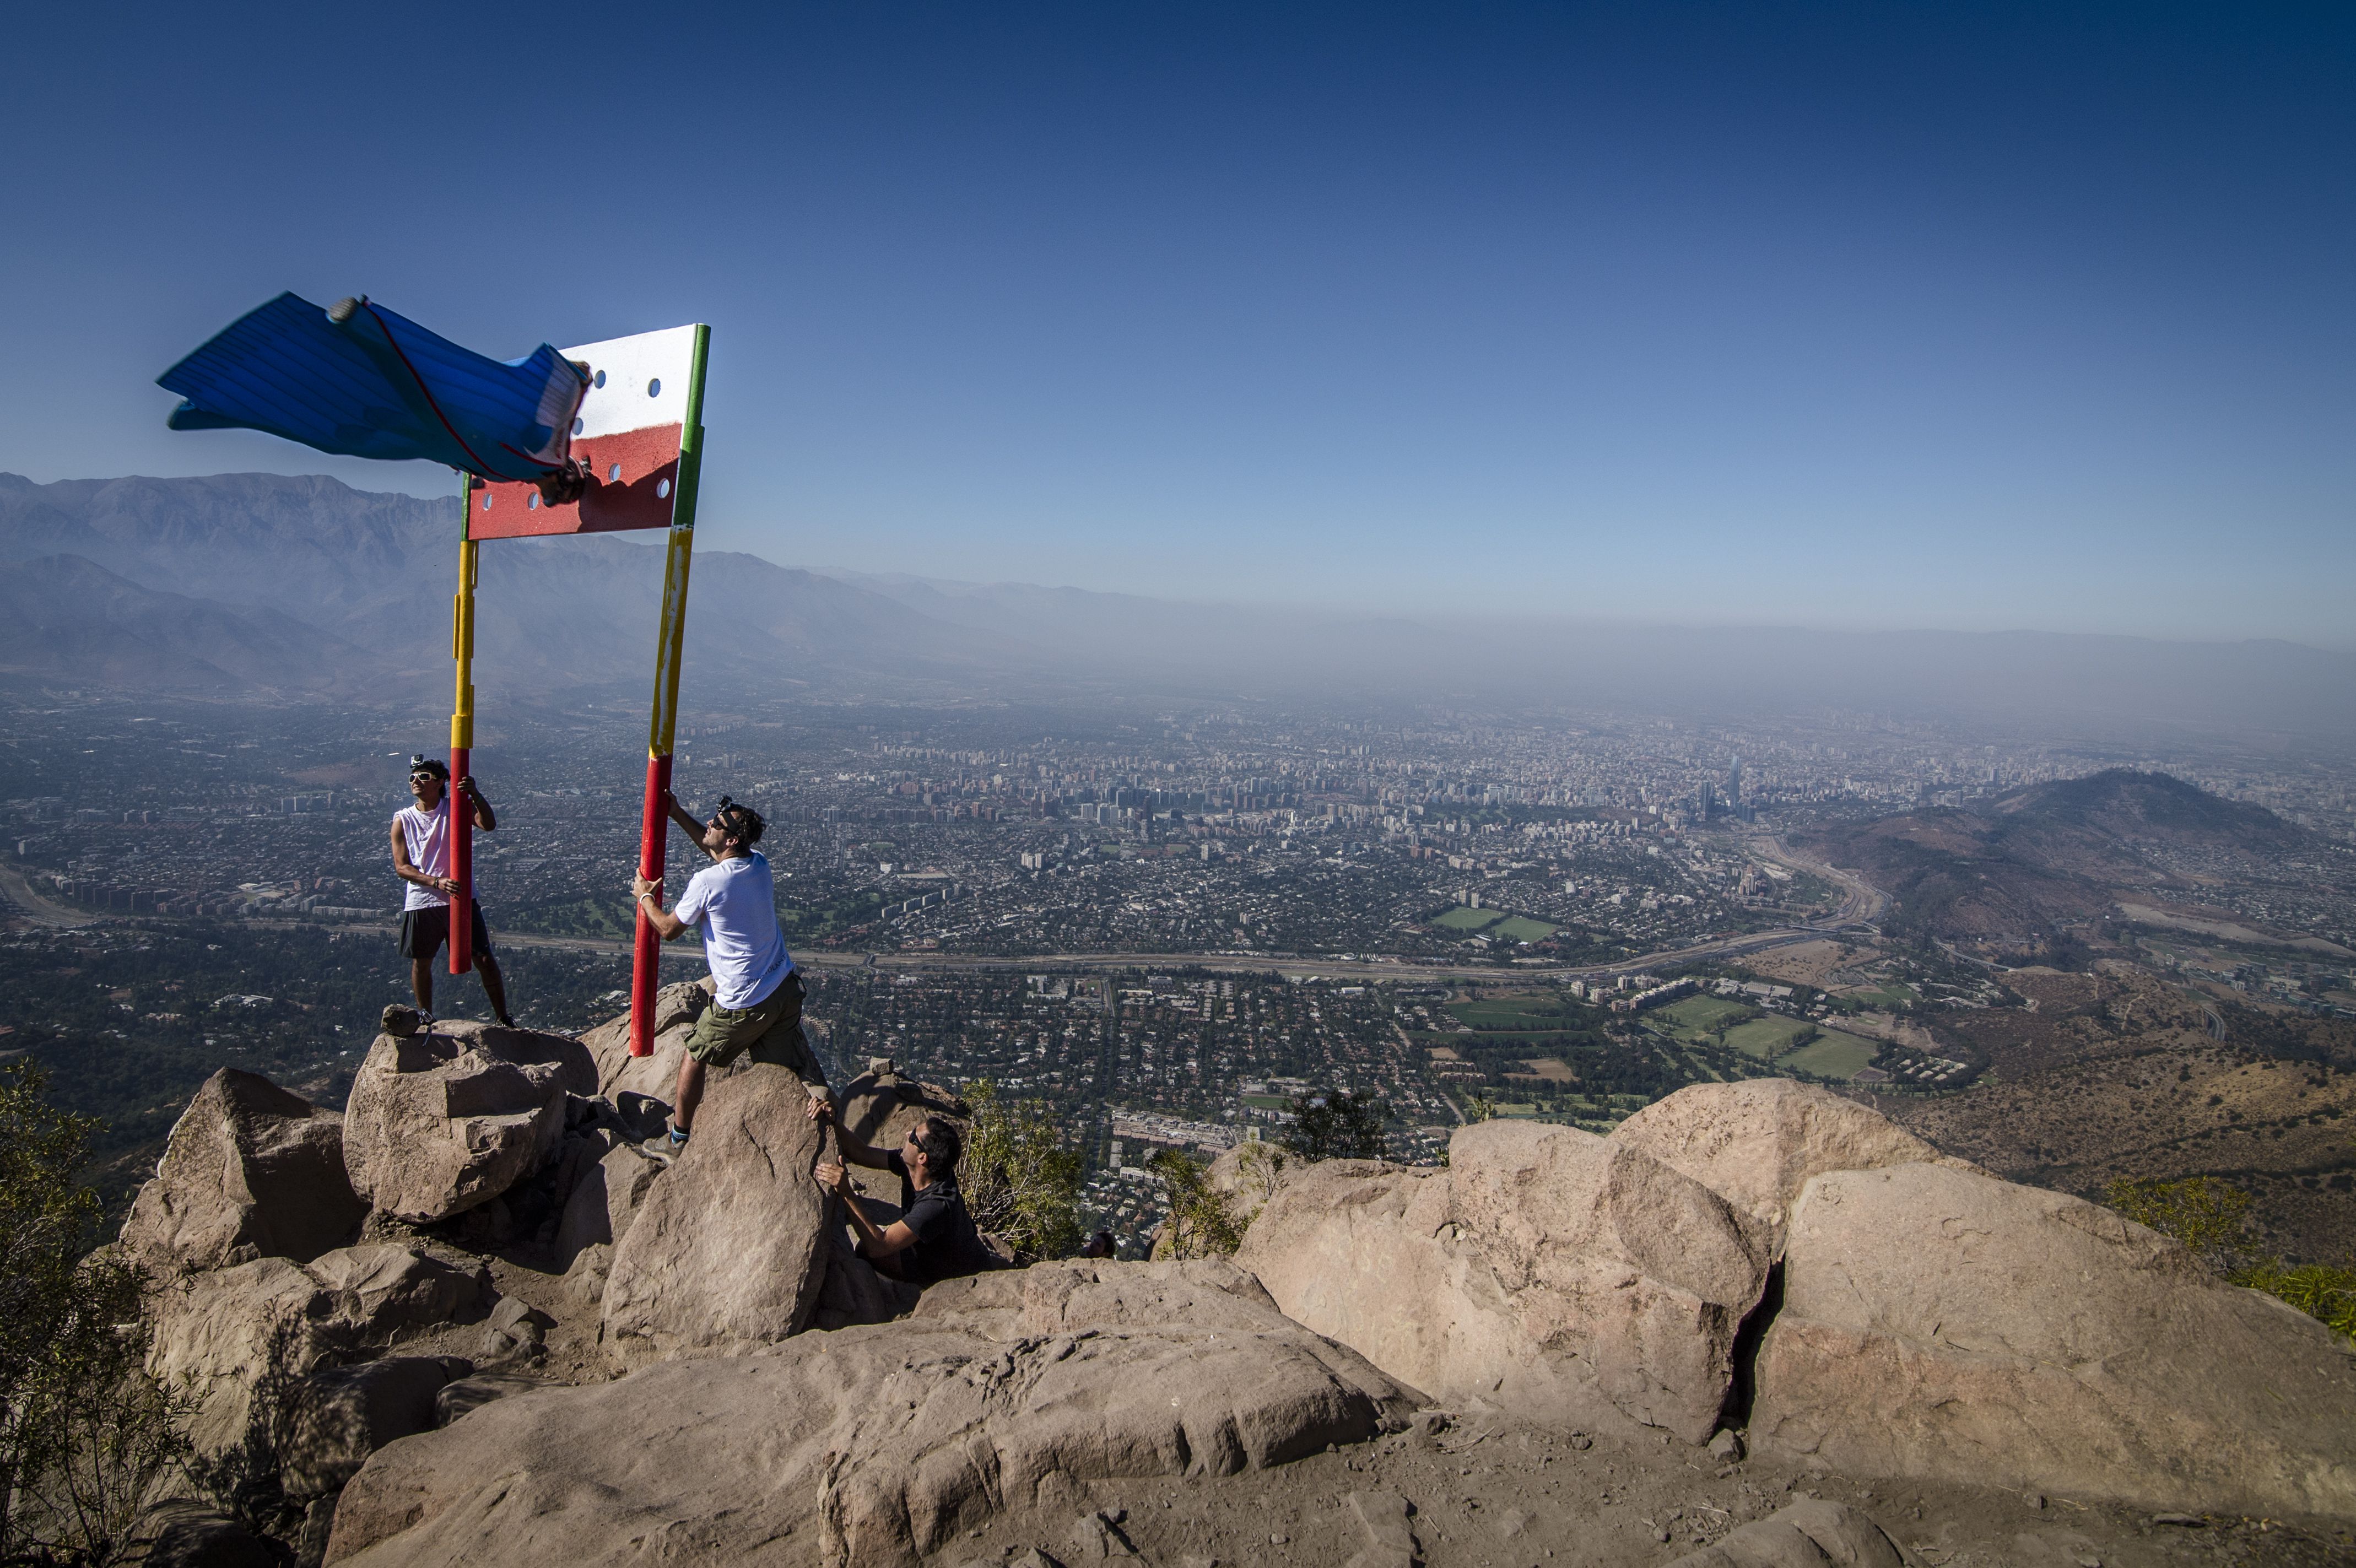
2018	869
372	574
357	587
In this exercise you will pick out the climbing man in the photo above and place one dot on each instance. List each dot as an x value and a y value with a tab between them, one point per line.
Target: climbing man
933	1238
757	1002
421	858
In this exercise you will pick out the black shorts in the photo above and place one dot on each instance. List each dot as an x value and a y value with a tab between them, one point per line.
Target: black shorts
424	931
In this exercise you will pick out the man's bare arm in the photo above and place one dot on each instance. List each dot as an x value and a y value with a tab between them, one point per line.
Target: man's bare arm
872	1243
483	816
648	895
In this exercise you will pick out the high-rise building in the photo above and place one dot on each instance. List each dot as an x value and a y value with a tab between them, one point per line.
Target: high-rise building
1734	782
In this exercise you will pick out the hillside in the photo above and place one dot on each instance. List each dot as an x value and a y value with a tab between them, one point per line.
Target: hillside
2027	873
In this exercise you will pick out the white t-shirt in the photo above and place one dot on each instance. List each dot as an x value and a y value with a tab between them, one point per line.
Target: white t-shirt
734	904
427	834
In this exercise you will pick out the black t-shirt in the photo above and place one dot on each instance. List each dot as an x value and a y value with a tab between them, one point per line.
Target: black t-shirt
947	1243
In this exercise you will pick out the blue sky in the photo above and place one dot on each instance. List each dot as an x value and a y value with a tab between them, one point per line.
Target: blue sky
1866	315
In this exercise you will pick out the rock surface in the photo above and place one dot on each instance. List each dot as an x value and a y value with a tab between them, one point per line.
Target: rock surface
337	1418
181	1533
1077	1294
1756	1143
606	1200
729	1249
226	1333
440	1123
251	1171
870	1447
1546	1271
1802	1536
623	1077
1937	1322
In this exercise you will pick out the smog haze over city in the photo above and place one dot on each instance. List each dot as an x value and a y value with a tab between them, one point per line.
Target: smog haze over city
1499	559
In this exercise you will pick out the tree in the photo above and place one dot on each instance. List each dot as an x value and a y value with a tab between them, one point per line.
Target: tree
1336	1125
1201	1224
83	1428
1019	1181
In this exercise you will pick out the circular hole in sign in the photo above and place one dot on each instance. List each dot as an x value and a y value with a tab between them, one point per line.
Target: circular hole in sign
662	489
532	502
576	427
614	474
654	387
487	500
598	379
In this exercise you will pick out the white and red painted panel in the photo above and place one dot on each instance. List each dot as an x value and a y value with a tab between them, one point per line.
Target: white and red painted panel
628	433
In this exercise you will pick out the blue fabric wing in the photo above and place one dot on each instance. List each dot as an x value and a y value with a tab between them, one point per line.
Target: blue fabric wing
379	385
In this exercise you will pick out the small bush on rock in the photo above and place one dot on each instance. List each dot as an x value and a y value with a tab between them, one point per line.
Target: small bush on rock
2211	1217
1200	1223
1019	1181
1336	1125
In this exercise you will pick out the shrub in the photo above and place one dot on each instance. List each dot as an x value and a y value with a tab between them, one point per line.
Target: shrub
1336	1125
2210	1217
1019	1181
1200	1223
83	1428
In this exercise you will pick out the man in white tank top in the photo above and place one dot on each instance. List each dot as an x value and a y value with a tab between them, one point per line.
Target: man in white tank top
421	858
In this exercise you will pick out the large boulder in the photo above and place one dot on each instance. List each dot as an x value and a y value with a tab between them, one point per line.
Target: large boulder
871	1446
242	1337
606	1200
251	1171
627	1080
441	1121
728	1248
855	1291
1755	1142
1937	1322
335	1419
1547	1271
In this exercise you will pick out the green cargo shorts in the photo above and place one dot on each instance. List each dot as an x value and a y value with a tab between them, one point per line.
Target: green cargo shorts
770	1028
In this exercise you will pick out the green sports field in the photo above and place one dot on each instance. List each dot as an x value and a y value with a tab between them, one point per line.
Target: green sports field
1463	919
1522	928
1836	1055
1767	1038
1695	1016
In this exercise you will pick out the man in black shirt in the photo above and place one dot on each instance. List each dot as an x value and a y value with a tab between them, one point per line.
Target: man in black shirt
933	1238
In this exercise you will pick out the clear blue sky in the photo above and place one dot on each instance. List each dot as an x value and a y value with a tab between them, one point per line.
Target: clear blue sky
1881	315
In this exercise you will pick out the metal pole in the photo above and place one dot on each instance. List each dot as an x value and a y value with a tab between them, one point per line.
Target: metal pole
645	954
461	737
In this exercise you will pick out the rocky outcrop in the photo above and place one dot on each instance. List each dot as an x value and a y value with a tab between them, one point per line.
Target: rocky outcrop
440	1123
1939	1322
335	1419
854	1291
728	1248
225	1334
879	1106
179	1532
874	1444
251	1171
630	1081
1077	1295
1803	1535
1755	1142
606	1200
1547	1271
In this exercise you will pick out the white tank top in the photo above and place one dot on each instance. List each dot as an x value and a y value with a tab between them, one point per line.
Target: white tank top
427	835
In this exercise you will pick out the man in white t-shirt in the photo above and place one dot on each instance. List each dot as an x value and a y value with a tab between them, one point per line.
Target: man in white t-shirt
421	858
757	1003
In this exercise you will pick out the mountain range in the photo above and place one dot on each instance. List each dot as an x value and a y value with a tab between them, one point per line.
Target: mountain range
296	583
